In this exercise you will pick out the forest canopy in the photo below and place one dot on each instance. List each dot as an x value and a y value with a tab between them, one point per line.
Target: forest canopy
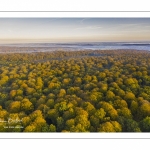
75	91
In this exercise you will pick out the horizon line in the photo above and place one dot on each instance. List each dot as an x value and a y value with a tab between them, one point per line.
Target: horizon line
3	43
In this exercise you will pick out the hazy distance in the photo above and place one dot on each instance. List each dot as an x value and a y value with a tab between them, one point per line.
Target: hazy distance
57	30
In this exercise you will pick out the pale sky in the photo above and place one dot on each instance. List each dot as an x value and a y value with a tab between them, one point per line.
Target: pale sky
50	30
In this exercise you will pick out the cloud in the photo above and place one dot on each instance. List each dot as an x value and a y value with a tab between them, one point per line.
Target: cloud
81	21
134	25
131	24
147	26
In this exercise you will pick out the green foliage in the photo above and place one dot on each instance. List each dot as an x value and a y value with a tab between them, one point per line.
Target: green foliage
129	125
52	128
145	124
60	124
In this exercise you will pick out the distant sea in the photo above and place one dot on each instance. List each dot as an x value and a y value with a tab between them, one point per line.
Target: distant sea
107	46
84	46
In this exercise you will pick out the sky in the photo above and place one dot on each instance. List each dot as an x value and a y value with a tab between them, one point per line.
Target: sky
57	30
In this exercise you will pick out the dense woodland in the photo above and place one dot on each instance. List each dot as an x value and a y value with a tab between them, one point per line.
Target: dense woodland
75	91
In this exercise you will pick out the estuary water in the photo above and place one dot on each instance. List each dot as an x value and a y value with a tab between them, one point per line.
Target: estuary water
107	46
45	47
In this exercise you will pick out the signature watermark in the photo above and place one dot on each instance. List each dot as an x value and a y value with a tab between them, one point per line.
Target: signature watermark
16	127
10	121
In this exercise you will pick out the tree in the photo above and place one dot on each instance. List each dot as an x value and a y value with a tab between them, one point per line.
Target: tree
121	93
132	126
26	121
95	97
30	128
102	75
40	101
103	87
87	78
35	114
70	113
70	123
52	128
128	125
112	114
52	114
112	126
118	104
14	122
61	107
19	92
89	107
29	91
134	108
145	124
39	83
130	81
3	117
26	106
83	121
117	126
129	97
100	114
143	111
39	122
50	103
80	111
60	124
94	121
78	128
66	81
110	96
12	93
106	106
62	93
3	113
14	107
125	112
